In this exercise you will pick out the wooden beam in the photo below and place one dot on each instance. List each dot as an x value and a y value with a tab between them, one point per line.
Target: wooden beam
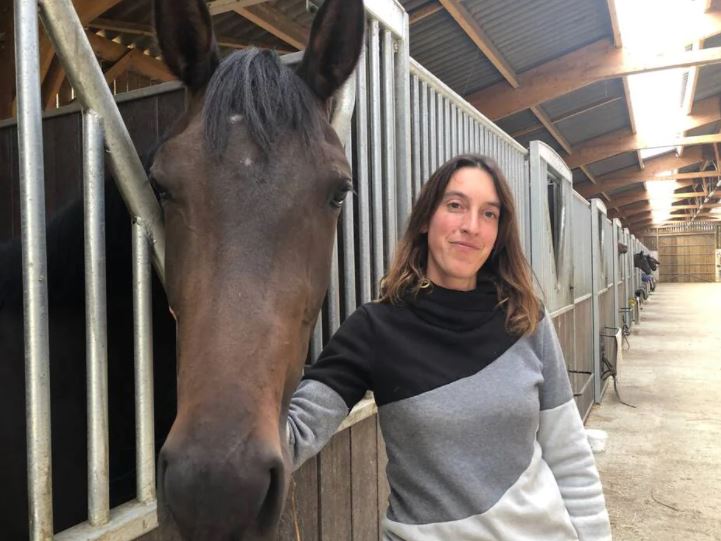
473	30
595	62
53	81
120	66
140	63
128	27
217	7
551	128
620	141
275	22
655	167
424	12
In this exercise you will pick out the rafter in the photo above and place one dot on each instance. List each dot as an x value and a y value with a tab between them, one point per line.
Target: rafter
424	12
275	22
216	7
53	82
631	175
595	62
703	112
474	31
138	62
128	27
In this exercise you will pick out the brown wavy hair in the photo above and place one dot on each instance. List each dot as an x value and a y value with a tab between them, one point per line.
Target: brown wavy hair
507	264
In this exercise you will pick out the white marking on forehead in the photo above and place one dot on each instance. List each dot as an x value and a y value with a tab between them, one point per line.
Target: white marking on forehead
247	162
236	118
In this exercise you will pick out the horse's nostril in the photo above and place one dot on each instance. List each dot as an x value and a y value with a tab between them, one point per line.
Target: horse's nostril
211	497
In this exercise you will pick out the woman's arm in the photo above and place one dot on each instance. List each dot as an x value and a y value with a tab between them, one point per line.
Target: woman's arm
565	447
330	388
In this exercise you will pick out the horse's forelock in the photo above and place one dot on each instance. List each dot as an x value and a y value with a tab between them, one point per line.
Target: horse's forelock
269	96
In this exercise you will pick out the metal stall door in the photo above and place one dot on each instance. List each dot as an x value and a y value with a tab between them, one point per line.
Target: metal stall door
551	198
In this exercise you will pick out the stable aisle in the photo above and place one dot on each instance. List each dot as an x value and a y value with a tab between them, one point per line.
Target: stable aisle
661	470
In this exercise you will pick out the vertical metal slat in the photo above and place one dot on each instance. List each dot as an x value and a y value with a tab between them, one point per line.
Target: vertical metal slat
363	178
35	293
96	319
143	339
376	154
390	179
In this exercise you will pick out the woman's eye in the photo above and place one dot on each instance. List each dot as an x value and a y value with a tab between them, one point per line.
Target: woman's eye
454	205
340	195
490	214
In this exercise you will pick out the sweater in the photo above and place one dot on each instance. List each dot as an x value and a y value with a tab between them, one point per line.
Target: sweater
483	436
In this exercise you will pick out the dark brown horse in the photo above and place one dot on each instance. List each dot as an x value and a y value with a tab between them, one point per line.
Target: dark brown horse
251	179
251	183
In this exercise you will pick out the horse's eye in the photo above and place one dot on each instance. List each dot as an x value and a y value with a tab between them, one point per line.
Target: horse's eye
340	194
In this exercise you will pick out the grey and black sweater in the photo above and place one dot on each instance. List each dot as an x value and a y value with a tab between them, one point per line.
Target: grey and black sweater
483	436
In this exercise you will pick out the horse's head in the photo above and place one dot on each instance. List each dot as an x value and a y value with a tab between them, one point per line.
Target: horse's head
251	181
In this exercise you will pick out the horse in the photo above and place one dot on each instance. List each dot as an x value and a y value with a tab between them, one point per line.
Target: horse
251	180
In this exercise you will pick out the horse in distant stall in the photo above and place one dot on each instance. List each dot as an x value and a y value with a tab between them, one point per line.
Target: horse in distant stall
646	264
251	180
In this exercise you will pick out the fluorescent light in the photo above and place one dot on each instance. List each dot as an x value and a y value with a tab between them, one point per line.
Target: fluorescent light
649	28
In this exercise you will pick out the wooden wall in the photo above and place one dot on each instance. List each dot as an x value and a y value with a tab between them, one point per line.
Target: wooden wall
686	257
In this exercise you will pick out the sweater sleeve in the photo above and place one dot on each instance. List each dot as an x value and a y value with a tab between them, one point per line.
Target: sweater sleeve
565	447
330	388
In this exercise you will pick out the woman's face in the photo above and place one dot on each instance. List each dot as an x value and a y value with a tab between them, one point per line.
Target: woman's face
463	229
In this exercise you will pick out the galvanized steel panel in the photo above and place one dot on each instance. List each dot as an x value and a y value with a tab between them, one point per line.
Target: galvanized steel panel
583	98
581	226
620	161
599	121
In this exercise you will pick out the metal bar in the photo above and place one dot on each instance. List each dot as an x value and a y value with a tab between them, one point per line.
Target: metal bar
96	319
362	174
316	343
416	145
433	133
425	142
376	145
127	521
334	290
71	44
348	219
447	149
390	177
143	350
402	155
454	130
35	292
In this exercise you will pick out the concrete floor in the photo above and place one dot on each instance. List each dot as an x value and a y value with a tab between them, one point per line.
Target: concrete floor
661	470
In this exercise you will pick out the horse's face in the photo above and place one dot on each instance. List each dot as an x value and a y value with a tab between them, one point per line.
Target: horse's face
251	182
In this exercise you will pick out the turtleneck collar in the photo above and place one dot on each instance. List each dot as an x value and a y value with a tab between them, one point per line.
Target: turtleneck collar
457	310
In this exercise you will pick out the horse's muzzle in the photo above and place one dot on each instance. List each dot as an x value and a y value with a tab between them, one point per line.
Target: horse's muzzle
214	494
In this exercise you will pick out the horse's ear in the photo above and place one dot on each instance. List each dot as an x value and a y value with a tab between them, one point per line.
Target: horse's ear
185	36
334	46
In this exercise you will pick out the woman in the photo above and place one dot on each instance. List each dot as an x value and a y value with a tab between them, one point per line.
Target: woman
483	436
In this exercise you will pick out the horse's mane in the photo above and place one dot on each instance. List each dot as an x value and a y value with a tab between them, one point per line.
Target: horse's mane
269	95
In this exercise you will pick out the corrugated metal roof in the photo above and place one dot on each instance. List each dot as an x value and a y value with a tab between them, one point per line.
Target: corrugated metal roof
528	32
584	98
601	120
613	163
524	120
445	50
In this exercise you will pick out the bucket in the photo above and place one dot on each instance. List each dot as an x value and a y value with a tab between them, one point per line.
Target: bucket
597	439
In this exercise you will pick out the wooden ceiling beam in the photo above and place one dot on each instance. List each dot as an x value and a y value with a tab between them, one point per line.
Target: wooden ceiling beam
216	7
137	62
631	175
595	62
424	12
473	30
621	141
275	22
53	82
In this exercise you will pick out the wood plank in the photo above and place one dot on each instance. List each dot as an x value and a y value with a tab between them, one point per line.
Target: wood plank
473	30
217	7
364	480
335	496
121	65
595	62
300	516
383	488
424	12
551	128
277	23
139	62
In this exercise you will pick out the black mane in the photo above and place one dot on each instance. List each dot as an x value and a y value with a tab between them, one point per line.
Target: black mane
270	97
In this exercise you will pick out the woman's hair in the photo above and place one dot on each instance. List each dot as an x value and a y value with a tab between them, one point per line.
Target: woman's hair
507	264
